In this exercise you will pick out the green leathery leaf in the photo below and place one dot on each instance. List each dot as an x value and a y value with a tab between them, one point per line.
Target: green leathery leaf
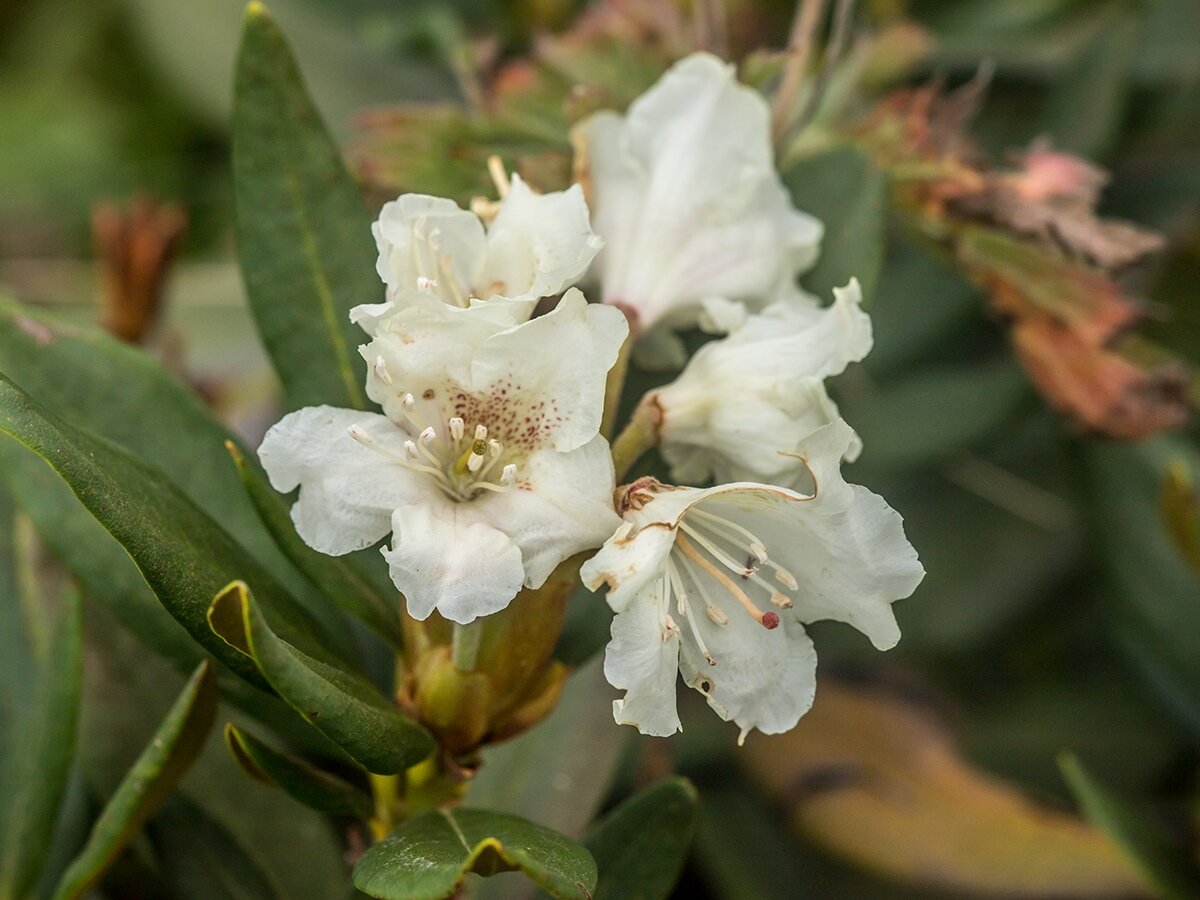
111	389
304	238
108	575
1153	612
936	413
176	744
343	706
428	857
15	659
345	580
314	788
184	555
848	193
641	845
1165	864
744	850
38	755
1085	109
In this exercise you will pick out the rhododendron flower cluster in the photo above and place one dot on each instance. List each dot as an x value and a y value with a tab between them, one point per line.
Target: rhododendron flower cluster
486	463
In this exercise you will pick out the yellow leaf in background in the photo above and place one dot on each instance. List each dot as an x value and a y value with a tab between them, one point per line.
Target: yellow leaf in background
877	779
1181	510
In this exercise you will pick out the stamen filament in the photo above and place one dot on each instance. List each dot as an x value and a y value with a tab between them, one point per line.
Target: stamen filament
767	620
720	523
693	625
381	370
737	568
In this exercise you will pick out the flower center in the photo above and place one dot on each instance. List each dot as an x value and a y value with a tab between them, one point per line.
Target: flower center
710	548
464	462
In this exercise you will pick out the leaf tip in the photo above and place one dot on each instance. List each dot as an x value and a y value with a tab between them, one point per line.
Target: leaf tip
235	742
227	616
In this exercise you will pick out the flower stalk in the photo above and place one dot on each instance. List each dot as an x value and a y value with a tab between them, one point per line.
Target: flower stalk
638	437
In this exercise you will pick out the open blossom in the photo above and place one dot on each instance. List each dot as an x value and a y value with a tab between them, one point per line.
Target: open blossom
717	583
486	465
684	191
537	246
760	390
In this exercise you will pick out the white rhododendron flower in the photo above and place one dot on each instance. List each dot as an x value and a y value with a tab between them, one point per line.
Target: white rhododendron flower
537	246
486	465
760	390
684	191
717	583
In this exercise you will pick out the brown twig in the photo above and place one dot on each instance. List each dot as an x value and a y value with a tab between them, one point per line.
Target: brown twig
842	16
801	42
712	26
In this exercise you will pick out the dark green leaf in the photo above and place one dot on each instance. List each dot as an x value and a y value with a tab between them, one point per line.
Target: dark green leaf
92	554
120	393
987	564
184	556
640	846
15	661
344	706
428	857
308	784
924	308
1164	863
201	860
1086	107
108	575
936	414
847	192
345	580
744	851
303	230
1155	599
175	745
37	756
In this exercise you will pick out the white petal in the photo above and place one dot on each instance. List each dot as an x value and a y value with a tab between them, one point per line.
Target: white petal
539	244
762	679
636	554
423	237
347	491
685	194
745	399
721	316
369	316
644	663
563	505
627	564
558	364
444	557
427	352
845	546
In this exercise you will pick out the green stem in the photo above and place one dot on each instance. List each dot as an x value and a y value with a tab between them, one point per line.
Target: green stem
465	646
385	790
639	435
614	386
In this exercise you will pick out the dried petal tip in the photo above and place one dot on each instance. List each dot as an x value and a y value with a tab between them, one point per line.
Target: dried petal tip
770	620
